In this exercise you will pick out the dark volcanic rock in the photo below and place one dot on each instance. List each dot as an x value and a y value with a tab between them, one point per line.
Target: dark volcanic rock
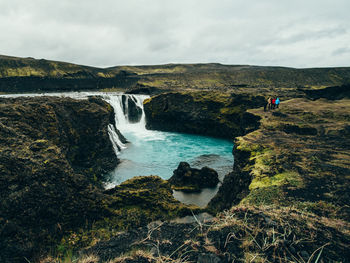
143	89
235	185
208	113
330	93
52	150
131	109
190	179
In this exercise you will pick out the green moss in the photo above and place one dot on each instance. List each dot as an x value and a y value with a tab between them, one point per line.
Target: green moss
231	110
265	196
147	100
187	188
112	90
289	177
134	203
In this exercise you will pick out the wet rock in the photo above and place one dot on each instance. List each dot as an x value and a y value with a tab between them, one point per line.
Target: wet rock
190	179
134	111
131	109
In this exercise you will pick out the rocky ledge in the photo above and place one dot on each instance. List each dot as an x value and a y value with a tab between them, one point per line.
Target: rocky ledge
208	113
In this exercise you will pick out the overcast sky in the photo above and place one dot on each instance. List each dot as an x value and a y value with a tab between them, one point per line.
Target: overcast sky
295	33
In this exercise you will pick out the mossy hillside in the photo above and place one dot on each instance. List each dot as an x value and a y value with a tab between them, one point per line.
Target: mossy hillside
23	75
26	67
28	74
293	166
237	77
208	113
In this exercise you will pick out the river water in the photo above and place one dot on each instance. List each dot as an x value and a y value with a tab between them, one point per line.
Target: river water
158	153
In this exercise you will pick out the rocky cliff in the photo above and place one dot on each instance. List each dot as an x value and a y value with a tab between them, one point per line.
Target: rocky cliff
207	113
299	157
54	153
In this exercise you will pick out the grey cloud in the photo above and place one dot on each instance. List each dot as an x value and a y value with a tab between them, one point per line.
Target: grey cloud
114	32
341	51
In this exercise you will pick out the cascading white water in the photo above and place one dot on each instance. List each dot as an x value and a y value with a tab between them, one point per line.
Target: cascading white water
122	119
114	137
121	112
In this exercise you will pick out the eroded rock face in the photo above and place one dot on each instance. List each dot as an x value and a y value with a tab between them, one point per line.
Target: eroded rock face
131	109
207	113
190	179
53	151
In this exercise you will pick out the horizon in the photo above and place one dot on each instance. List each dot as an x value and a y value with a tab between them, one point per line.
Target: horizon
172	63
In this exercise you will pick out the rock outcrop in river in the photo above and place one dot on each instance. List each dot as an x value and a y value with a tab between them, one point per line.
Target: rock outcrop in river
189	179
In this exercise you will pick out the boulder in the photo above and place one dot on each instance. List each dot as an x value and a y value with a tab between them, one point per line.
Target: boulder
190	179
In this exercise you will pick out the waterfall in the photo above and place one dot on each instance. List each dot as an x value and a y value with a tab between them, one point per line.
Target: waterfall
114	137
121	104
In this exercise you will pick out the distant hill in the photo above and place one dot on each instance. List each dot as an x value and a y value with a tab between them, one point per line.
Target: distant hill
26	67
29	74
33	75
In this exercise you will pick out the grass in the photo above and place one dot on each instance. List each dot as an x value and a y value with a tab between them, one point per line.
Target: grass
245	233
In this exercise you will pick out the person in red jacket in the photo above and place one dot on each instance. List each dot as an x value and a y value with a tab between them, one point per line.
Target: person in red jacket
273	102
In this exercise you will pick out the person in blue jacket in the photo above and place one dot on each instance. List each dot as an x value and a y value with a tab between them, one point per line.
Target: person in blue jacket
277	102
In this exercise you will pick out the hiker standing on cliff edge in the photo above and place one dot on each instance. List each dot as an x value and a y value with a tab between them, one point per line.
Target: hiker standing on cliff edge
277	102
269	101
273	103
